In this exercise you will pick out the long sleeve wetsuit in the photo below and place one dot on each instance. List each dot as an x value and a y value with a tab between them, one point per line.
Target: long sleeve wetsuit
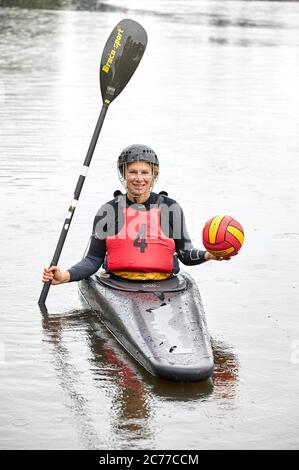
109	221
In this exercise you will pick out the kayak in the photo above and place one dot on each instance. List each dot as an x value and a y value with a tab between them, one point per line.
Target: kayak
160	323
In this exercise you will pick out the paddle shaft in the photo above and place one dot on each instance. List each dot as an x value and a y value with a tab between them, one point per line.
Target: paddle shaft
72	207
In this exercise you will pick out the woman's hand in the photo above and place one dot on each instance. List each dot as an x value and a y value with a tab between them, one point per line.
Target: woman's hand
209	256
55	275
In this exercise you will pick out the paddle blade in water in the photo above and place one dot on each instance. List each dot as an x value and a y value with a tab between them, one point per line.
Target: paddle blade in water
121	57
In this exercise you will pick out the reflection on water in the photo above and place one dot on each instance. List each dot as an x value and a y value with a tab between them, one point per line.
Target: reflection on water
130	405
226	372
131	388
130	408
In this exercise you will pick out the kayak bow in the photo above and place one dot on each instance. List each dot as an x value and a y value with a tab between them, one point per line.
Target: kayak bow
161	324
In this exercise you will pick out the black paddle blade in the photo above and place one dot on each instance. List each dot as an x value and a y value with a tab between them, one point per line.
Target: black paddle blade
121	57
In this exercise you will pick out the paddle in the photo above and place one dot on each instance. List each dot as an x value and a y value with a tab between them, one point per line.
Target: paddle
121	56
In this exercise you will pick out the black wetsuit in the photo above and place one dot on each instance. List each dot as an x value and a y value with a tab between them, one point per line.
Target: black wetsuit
109	221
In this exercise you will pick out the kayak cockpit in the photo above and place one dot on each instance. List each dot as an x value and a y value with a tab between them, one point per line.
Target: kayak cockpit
173	284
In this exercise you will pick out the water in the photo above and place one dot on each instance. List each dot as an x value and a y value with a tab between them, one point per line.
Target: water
216	96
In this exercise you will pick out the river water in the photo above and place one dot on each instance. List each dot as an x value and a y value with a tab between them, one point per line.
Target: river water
216	95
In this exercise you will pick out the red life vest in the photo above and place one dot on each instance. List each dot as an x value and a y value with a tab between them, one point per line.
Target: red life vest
140	245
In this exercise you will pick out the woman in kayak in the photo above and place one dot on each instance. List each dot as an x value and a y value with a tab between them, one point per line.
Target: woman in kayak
139	235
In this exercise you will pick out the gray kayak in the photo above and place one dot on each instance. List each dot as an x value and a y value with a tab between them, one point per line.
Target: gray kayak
160	323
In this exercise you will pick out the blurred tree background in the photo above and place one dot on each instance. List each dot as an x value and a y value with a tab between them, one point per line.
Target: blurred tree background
97	5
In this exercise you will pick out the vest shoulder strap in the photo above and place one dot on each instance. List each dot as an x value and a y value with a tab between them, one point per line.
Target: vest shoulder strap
160	197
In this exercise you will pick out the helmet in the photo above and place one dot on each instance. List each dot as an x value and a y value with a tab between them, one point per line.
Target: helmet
135	153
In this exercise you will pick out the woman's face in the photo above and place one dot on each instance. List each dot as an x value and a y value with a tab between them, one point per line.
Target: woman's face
139	178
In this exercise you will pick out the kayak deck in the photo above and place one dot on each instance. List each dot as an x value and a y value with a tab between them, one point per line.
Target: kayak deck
161	324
